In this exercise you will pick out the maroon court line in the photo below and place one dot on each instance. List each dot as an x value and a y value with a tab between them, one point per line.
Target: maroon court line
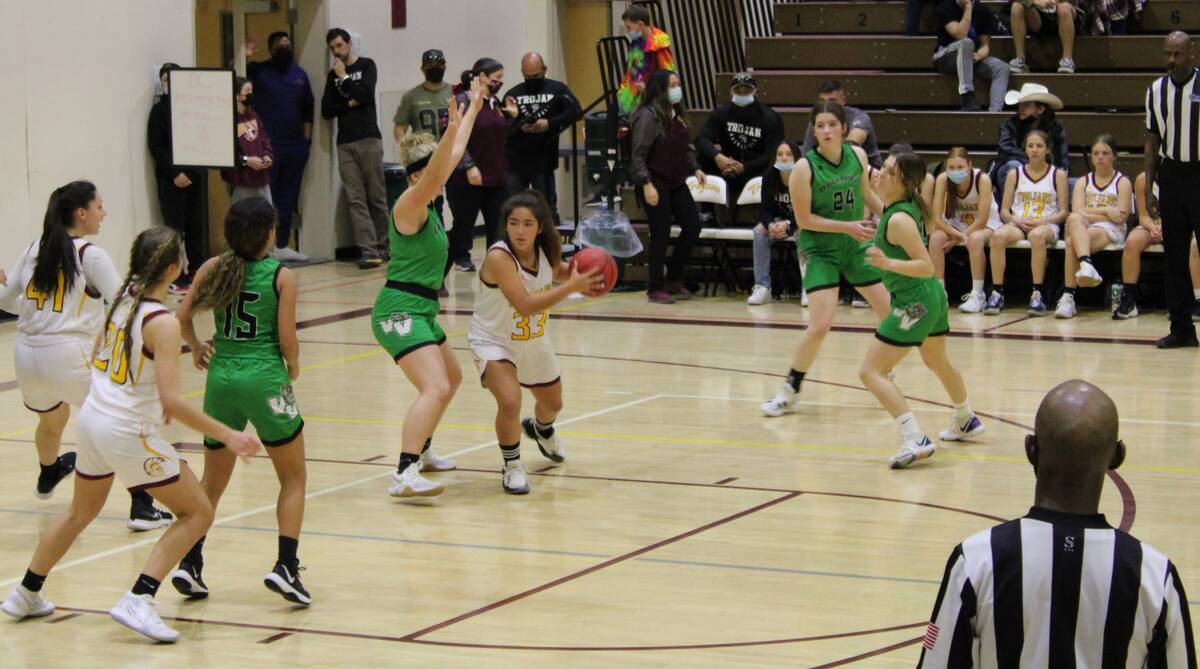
597	567
1007	323
276	637
731	479
65	618
874	653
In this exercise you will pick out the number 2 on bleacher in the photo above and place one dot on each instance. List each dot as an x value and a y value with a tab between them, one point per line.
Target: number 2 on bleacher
843	200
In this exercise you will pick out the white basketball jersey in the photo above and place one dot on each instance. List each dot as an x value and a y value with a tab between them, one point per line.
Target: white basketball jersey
967	206
47	318
1097	197
495	319
1035	199
125	386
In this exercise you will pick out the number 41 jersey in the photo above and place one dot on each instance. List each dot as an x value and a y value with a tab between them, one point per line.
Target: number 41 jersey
249	326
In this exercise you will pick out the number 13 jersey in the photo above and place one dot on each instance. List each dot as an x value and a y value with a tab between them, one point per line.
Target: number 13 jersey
249	326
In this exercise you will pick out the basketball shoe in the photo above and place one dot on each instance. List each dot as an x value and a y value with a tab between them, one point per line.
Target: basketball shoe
550	446
410	483
432	462
1037	306
513	478
54	474
973	302
188	582
963	430
284	580
137	613
25	603
1066	306
783	402
912	451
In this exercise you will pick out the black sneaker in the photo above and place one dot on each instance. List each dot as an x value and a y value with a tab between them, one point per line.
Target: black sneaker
1175	340
465	264
188	582
1127	308
144	517
51	476
285	581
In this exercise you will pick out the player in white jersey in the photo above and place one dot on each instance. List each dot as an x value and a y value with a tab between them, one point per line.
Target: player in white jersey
966	214
508	332
1100	209
1034	207
58	290
1146	233
135	384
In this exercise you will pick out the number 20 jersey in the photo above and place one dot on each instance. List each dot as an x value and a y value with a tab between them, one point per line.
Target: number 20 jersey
124	385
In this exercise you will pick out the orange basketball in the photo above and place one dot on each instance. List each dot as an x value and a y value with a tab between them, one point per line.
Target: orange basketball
594	256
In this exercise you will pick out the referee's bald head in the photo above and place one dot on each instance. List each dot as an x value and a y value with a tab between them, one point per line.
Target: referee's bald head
1076	433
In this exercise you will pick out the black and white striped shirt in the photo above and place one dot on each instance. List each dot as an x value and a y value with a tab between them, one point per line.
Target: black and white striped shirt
1173	113
1058	590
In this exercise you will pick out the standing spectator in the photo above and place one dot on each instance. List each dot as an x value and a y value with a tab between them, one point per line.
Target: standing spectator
545	108
1169	133
350	98
964	36
859	129
1039	18
254	152
1060	587
649	52
738	140
478	183
663	159
284	103
181	191
776	220
1035	111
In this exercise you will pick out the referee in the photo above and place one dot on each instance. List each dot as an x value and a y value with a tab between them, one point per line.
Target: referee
1173	128
1060	587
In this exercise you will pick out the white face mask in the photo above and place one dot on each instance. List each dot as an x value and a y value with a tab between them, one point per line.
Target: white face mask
958	176
675	95
743	100
784	167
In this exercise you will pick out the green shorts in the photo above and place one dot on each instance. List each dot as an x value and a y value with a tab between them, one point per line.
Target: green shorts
403	322
915	316
832	255
257	390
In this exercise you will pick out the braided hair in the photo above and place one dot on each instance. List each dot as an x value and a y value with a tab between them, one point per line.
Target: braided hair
911	170
152	253
248	227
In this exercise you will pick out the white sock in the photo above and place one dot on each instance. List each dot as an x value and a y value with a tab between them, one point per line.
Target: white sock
909	429
977	287
1196	293
962	412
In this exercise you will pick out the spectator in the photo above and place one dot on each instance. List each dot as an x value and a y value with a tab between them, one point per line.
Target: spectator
350	98
1147	232
912	16
478	183
969	215
649	52
776	221
284	103
860	131
1060	584
964	35
738	139
1040	18
1109	17
1035	111
545	108
662	161
181	193
254	152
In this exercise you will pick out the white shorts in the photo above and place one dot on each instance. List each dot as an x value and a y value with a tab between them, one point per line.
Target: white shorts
52	374
134	451
1116	233
961	226
536	364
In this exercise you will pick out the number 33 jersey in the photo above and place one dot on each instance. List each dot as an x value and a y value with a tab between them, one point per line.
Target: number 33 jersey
123	381
496	321
248	327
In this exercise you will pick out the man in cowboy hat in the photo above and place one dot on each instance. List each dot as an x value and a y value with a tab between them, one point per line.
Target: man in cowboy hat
1035	111
1040	18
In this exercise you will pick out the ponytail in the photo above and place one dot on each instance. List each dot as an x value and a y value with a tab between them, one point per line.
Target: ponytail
56	254
248	226
912	174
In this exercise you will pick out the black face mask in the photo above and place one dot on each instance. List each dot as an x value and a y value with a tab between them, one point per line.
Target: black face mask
535	84
249	101
282	57
434	75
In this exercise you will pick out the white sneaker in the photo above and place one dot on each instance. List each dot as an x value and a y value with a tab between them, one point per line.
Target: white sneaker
137	613
760	295
432	462
1087	276
24	603
912	451
859	303
803	297
287	254
1066	306
551	446
1066	66
783	402
973	302
410	483
963	431
1018	66
514	480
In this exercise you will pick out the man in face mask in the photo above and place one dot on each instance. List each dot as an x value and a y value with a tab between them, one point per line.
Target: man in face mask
283	99
739	139
545	108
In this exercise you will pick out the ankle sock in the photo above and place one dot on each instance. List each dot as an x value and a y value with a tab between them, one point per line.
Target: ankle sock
146	585
1039	287
1085	259
998	288
963	411
428	443
195	555
1069	290
794	379
33	582
511	453
406	459
977	286
545	430
909	429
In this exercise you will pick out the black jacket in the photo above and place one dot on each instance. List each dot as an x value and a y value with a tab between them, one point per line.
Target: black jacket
748	135
537	153
1012	143
158	138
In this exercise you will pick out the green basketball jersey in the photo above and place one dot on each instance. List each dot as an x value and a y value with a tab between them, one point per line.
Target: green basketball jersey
249	326
899	283
836	189
419	258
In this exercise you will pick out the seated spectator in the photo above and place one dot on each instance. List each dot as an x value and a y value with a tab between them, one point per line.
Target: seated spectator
1109	17
859	129
737	139
964	35
1147	232
649	51
1100	208
1044	18
966	213
912	16
1035	111
776	221
1060	584
254	153
1034	208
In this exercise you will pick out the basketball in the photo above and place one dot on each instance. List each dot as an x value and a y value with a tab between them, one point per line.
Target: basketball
593	257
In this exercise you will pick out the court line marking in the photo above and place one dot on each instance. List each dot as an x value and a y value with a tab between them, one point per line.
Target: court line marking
874	653
324	491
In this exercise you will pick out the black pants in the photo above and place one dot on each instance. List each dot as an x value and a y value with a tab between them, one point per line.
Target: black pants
466	203
542	183
1178	184
287	173
675	205
183	211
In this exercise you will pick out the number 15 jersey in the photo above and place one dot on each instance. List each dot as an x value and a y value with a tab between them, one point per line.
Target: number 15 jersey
249	326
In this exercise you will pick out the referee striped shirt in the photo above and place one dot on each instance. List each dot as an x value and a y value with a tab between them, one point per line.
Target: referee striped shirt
1055	591
1173	113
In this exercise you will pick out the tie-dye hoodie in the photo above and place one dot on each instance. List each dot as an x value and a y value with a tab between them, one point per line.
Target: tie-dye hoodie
645	58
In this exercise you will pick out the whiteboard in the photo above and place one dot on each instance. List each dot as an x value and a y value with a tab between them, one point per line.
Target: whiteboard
203	131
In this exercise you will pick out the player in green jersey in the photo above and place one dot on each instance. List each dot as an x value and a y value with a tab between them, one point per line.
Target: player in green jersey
918	316
252	361
830	187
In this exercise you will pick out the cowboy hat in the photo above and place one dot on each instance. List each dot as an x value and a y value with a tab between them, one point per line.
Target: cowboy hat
1033	93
